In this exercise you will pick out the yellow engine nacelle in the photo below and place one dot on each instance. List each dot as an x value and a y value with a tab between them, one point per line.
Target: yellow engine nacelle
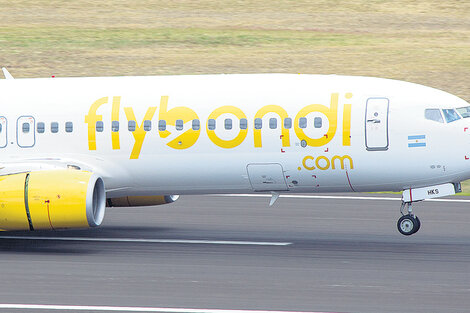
51	199
140	200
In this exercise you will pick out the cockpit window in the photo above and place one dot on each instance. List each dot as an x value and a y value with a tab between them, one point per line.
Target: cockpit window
465	111
433	115
450	115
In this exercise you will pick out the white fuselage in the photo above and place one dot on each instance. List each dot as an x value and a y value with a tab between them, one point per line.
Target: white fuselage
361	134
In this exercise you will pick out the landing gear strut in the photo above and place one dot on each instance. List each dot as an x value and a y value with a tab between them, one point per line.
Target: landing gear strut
408	224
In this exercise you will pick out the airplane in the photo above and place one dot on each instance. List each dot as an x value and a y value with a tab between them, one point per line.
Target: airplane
71	147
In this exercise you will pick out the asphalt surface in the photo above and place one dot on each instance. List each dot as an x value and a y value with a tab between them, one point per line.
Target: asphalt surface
344	256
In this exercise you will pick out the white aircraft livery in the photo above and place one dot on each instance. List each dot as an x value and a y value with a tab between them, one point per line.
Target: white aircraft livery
72	146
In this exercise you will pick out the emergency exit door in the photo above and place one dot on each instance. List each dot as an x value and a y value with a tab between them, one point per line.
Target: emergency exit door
3	132
267	177
25	136
377	124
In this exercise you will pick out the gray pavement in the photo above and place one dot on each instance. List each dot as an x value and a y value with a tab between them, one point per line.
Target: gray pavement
345	256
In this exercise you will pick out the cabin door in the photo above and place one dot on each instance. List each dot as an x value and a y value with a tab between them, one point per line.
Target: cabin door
3	132
25	135
377	124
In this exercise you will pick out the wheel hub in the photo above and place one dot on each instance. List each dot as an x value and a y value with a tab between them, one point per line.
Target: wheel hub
406	225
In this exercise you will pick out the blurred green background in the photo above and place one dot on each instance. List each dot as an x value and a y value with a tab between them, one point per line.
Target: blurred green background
424	41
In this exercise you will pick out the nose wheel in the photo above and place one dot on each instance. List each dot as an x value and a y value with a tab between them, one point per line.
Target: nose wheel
408	224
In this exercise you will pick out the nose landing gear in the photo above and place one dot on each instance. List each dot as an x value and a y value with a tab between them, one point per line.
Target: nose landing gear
408	224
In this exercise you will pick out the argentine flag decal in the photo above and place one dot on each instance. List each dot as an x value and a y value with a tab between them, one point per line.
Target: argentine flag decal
416	141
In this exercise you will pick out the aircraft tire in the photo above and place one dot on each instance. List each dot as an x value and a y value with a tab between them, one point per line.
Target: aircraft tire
408	225
418	226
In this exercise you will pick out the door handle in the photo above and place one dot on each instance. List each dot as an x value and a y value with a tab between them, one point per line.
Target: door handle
375	121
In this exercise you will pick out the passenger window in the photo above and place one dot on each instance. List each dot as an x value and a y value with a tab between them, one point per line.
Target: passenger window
273	123
99	126
258	123
196	124
228	123
115	126
287	123
465	111
433	115
179	124
450	115
303	122
131	126
161	125
317	122
25	127
211	124
54	127
68	127
40	127
243	123
1	128
147	125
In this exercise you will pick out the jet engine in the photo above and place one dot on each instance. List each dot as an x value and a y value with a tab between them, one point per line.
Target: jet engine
140	200
51	199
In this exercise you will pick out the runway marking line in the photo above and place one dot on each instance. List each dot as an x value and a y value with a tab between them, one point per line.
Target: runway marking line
176	241
335	197
131	309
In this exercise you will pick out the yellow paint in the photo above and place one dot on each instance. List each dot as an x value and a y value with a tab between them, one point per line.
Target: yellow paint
189	137
139	133
186	139
57	198
332	115
91	120
282	114
341	159
163	112
347	124
227	144
12	207
115	117
324	167
323	163
304	163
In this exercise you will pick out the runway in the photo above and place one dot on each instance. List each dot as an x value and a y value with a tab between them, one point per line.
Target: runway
222	253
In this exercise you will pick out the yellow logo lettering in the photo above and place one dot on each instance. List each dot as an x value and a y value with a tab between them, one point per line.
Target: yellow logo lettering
189	137
227	143
139	133
331	114
115	117
304	163
323	163
341	159
324	167
347	122
91	120
282	114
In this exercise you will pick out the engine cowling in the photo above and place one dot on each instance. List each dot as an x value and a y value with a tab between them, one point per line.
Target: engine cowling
51	199
140	200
